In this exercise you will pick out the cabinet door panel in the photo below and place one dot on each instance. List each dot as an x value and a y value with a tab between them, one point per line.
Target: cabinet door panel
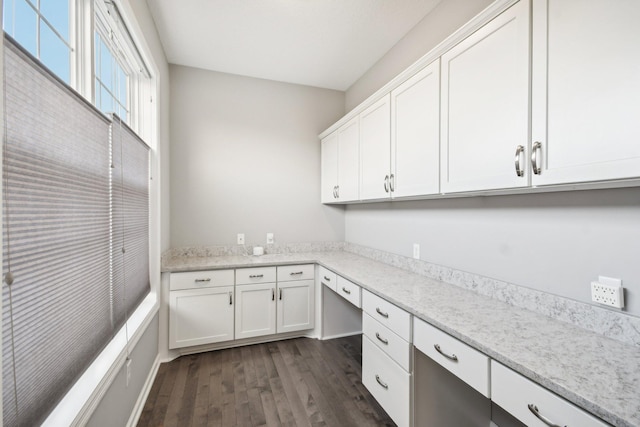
485	105
200	316
348	160
415	134
255	310
329	168
375	150
295	306
586	90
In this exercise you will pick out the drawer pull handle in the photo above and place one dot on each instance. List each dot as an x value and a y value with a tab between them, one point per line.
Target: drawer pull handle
534	410
382	340
384	385
327	279
280	294
230	298
537	146
381	313
203	280
346	291
273	294
519	151
450	357
295	273
256	276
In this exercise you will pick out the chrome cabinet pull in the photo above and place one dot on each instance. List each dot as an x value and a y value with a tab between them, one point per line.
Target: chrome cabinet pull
386	183
381	313
384	385
295	273
534	410
203	280
392	183
273	294
280	294
519	151
256	276
346	291
450	357
537	146
327	279
337	191
382	340
230	298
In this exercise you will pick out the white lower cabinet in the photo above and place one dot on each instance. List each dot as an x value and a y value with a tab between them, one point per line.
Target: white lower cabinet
532	404
387	382
296	307
255	310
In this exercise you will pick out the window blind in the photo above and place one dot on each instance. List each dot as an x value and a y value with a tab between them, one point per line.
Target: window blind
66	217
56	234
130	219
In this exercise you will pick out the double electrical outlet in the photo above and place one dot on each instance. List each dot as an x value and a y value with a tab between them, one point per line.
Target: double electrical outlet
608	291
241	241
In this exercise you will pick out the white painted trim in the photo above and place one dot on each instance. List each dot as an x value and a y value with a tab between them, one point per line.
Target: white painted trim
493	10
77	406
346	334
144	393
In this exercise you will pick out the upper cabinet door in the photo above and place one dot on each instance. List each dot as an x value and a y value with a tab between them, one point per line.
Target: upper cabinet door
415	134
348	160
485	106
586	90
375	150
329	169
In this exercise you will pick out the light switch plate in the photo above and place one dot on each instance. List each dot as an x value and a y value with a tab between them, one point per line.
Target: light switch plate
270	239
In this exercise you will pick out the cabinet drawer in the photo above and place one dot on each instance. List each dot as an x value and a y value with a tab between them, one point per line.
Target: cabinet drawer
349	291
295	272
394	318
466	363
387	382
200	279
389	342
516	394
327	278
246	276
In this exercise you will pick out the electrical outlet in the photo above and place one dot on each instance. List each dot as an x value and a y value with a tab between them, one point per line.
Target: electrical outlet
270	239
128	365
608	291
241	238
416	250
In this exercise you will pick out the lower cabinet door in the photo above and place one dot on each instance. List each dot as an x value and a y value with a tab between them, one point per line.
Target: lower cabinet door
255	310
200	316
387	382
295	306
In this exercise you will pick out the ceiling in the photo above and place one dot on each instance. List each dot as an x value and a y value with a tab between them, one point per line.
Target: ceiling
322	43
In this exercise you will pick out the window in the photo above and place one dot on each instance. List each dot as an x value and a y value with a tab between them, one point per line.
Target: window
42	27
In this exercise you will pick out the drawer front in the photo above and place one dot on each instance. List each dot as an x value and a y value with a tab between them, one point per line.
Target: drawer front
394	318
248	276
387	382
386	340
515	393
349	291
467	363
200	279
295	272
328	278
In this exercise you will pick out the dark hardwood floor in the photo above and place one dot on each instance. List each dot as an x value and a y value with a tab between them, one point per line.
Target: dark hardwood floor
297	382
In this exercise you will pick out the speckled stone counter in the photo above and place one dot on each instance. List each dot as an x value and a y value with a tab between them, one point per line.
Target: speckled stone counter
598	374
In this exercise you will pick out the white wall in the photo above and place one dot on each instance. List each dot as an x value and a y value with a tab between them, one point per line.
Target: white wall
436	26
245	158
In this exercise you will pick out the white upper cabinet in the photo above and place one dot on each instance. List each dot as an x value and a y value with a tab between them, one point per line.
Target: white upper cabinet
485	106
348	160
375	150
586	90
329	169
415	135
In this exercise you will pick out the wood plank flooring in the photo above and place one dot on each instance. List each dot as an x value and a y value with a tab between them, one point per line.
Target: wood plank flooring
296	382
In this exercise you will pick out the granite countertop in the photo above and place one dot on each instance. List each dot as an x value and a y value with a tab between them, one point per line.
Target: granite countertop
598	374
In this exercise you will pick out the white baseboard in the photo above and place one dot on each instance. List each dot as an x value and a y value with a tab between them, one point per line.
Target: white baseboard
144	393
346	334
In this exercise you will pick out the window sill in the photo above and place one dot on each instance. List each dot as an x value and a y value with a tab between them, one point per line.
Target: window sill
78	404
